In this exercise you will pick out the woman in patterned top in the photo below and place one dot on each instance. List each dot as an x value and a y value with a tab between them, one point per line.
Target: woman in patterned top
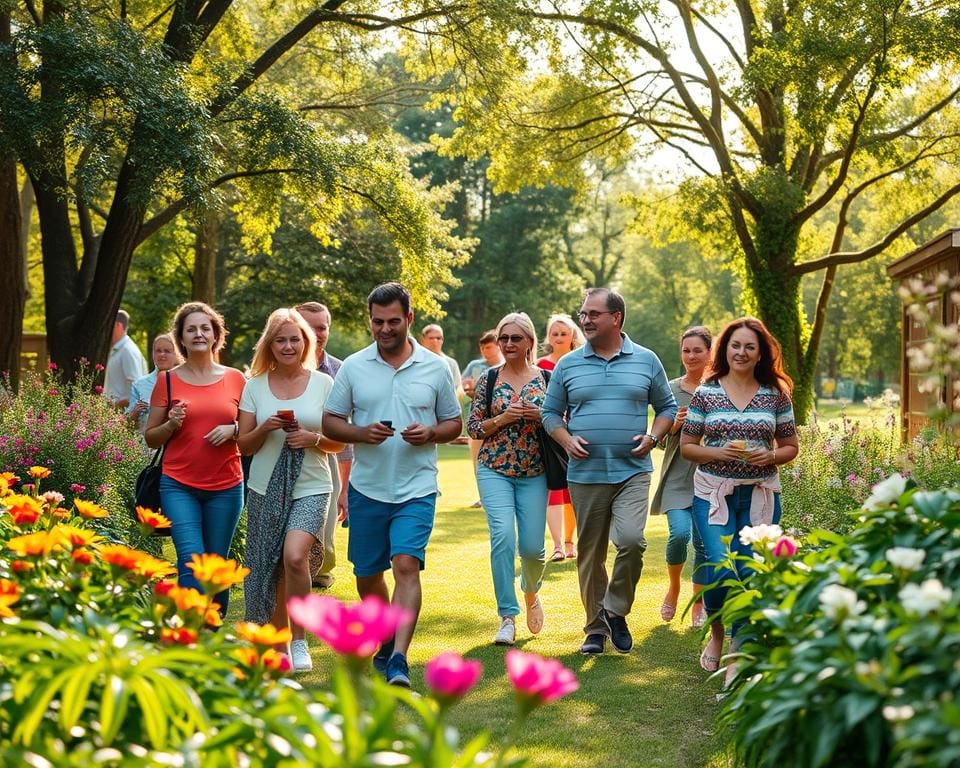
513	487
739	428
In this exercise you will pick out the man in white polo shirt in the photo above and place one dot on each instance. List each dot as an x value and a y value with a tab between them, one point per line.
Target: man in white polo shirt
395	401
125	364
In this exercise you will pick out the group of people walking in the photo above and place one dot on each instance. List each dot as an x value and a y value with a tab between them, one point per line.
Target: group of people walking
725	426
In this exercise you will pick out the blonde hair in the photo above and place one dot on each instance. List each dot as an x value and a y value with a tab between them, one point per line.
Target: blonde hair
168	337
521	319
577	339
263	358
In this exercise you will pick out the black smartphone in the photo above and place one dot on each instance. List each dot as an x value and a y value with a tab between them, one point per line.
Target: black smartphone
387	423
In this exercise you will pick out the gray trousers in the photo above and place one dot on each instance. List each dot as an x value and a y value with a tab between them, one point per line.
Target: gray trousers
617	513
323	555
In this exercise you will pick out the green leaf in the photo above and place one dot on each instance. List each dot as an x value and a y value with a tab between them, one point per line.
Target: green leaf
75	693
151	710
27	727
113	708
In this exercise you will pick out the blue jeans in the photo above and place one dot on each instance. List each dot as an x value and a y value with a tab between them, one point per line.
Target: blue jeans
516	510
203	521
681	530
738	503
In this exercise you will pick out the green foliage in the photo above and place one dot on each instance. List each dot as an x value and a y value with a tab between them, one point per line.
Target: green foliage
849	651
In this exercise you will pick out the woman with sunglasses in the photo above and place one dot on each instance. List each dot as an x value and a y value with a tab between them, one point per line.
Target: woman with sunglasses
510	472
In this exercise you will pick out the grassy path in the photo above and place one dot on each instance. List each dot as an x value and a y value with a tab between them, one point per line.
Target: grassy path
651	707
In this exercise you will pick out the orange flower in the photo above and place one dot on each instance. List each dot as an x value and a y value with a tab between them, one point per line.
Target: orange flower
89	509
121	556
213	618
21	566
25	510
9	477
60	513
276	661
82	556
4	487
36	544
151	519
151	567
188	599
181	636
9	594
247	656
40	473
215	573
77	537
164	588
266	635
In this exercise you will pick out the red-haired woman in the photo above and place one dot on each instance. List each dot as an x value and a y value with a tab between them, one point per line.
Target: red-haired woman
739	428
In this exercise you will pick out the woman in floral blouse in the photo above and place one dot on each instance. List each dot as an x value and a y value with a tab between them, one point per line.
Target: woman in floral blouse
513	488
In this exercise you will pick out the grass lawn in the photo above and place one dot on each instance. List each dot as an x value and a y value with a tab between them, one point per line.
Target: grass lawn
651	707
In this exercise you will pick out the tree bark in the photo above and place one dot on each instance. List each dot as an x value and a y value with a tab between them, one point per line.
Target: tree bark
12	273
206	248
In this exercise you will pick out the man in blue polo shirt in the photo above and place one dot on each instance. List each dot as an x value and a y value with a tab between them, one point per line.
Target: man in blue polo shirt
603	390
400	402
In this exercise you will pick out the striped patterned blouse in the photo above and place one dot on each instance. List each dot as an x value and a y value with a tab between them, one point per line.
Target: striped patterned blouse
712	417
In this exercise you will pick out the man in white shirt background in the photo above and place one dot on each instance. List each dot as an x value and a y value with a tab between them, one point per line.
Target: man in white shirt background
125	364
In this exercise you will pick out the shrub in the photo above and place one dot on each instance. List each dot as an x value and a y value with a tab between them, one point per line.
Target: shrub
848	656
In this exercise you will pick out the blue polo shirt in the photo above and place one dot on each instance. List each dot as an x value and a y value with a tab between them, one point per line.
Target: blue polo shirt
605	402
369	389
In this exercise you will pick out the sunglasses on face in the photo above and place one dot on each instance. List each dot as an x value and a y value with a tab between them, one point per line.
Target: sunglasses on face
514	339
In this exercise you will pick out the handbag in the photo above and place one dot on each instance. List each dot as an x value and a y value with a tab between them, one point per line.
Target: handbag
148	481
554	458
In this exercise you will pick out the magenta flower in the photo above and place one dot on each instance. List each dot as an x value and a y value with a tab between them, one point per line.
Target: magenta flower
538	680
77	488
785	546
351	630
450	676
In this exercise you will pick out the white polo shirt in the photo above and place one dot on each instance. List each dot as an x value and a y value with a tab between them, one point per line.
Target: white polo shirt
368	389
124	366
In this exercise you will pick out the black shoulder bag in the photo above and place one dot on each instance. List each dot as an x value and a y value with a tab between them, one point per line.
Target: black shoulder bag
148	481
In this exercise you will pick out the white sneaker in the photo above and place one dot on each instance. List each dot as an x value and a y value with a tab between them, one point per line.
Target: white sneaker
507	632
301	656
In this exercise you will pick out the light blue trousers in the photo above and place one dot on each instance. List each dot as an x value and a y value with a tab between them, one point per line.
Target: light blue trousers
516	510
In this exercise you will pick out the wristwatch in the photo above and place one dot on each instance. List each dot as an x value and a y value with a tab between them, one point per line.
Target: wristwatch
656	440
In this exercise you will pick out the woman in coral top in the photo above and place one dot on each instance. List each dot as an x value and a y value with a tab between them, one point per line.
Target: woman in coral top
201	488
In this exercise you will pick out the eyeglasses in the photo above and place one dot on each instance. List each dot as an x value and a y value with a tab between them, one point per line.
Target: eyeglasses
593	314
514	339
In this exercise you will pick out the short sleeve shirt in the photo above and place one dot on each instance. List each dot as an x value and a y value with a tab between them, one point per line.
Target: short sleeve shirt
125	365
368	389
715	420
257	399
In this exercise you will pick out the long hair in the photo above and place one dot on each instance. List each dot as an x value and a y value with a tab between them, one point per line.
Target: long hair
576	335
263	357
769	369
168	337
216	322
521	319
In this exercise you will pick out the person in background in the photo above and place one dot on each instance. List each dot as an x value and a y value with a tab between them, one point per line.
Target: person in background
165	356
323	555
395	401
739	428
510	473
489	357
674	494
201	487
431	337
125	364
563	336
603	391
290	481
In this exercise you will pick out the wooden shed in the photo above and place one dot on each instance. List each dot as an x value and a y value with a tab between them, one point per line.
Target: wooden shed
942	254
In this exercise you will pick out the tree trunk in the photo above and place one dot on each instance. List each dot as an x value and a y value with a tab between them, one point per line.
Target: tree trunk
12	273
207	245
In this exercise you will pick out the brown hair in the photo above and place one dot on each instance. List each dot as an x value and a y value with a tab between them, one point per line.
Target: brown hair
180	319
769	369
488	337
701	332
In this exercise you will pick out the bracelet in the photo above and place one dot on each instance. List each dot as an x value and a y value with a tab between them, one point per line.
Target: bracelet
236	430
316	443
774	456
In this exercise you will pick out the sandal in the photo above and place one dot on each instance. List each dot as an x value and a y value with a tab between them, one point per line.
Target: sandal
709	662
668	611
535	616
699	617
571	551
557	556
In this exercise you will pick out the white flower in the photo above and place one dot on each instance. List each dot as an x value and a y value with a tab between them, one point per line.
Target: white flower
757	533
896	714
826	673
907	558
886	492
839	601
925	598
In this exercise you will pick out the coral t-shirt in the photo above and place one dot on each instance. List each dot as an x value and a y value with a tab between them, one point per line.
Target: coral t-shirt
189	458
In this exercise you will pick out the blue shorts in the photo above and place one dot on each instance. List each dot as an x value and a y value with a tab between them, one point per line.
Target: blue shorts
379	530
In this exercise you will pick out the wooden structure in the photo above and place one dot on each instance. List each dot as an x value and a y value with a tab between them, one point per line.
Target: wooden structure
942	254
34	355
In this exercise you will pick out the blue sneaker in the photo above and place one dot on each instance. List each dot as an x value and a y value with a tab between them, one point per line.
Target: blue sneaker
382	656
398	673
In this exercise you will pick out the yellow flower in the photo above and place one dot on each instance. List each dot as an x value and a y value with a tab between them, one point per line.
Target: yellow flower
121	556
215	573
151	519
188	599
151	567
213	618
266	635
23	509
76	537
37	544
4	486
9	594
40	473
89	509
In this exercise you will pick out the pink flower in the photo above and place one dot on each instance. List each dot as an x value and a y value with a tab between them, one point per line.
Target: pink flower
785	546
98	389
77	488
51	366
450	676
350	630
539	680
98	367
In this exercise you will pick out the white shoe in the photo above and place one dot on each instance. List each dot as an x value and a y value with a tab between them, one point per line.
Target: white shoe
507	633
301	656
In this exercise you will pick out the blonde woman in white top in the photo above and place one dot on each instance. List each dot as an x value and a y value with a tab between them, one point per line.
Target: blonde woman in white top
281	410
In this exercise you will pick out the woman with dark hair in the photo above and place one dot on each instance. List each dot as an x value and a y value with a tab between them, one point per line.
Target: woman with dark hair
674	494
201	488
739	428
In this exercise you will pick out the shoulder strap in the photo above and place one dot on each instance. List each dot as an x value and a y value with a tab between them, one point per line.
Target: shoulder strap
492	374
169	399
546	375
